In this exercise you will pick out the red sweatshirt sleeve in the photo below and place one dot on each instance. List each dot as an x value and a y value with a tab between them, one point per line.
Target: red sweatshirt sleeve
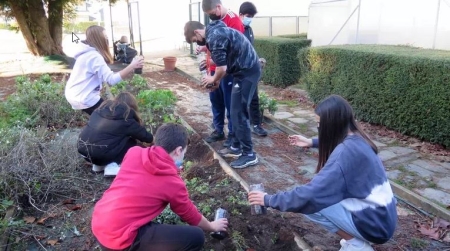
183	206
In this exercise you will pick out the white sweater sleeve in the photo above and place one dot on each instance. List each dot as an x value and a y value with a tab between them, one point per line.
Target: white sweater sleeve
103	72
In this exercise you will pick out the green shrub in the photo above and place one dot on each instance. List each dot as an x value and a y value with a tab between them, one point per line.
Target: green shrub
296	36
134	85
265	102
157	107
37	103
282	67
4	26
79	27
403	88
11	27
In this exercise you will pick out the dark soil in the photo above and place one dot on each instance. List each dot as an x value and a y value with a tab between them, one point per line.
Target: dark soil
246	232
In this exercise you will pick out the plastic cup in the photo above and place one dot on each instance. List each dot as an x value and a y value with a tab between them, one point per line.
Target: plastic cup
220	214
257	209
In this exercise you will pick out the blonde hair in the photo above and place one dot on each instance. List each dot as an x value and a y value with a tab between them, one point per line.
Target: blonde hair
95	38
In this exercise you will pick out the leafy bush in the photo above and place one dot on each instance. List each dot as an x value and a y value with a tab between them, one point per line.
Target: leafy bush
296	36
168	217
265	102
37	103
79	27
136	84
157	106
403	88
282	67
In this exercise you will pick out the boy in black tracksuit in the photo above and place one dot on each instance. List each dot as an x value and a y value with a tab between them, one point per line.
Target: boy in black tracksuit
233	54
246	13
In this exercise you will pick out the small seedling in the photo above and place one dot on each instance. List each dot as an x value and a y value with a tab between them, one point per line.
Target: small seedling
418	243
238	240
265	102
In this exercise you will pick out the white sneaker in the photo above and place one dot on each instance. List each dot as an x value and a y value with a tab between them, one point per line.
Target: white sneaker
348	247
96	168
111	169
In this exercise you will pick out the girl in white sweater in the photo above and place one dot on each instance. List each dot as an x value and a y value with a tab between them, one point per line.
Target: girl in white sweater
91	70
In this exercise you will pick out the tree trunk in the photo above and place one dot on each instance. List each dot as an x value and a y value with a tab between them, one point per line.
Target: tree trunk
55	21
33	24
19	14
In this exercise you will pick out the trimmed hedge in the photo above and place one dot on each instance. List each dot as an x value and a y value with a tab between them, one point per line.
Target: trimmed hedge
282	68
406	89
296	36
79	27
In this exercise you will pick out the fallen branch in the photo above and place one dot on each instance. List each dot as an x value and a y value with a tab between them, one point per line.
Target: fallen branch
39	243
290	158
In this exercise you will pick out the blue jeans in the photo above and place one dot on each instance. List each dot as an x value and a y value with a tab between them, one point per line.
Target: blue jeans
220	103
334	218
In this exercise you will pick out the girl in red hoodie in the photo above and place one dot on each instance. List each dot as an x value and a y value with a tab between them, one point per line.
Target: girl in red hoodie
147	182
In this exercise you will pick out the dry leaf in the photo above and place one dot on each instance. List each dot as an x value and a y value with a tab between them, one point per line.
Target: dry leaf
29	219
433	233
446	237
69	201
440	223
73	207
52	242
42	220
40	237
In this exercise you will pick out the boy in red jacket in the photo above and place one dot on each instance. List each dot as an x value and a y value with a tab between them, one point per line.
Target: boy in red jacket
220	96
147	182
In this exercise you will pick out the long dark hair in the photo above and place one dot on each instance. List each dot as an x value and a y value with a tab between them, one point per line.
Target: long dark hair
128	100
336	120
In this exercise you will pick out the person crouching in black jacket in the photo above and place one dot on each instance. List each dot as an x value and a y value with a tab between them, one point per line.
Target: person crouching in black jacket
112	129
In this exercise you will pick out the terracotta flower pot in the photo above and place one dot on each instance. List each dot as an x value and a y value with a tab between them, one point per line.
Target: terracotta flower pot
169	63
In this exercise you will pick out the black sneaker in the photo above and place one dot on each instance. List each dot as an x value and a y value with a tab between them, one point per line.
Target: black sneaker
228	142
230	152
258	130
215	136
244	161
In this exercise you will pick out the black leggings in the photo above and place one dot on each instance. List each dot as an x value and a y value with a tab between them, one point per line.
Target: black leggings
162	237
90	110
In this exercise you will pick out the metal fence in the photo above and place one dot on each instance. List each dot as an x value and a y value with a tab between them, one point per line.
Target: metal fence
279	25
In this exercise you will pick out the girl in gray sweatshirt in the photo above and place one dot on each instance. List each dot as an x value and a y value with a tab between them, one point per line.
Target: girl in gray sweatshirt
350	194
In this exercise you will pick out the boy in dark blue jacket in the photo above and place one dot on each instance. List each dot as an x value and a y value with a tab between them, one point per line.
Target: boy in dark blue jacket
246	13
233	54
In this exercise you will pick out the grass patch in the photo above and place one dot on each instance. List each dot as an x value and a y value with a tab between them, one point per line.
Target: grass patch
418	243
289	103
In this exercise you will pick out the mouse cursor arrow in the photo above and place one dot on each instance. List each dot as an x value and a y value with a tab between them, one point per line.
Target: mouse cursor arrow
75	38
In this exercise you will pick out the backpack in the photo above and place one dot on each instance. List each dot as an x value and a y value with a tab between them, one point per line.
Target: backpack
123	52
